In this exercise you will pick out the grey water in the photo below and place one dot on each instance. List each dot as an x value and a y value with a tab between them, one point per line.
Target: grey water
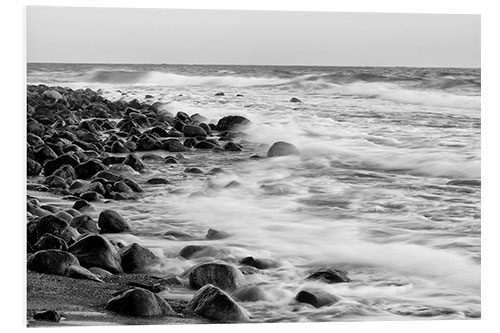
387	185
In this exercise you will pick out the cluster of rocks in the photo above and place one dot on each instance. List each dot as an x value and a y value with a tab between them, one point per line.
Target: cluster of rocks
85	147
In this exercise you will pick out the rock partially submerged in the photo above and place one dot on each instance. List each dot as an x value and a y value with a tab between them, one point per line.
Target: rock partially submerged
330	276
224	276
212	303
282	148
140	303
111	221
316	298
137	259
96	251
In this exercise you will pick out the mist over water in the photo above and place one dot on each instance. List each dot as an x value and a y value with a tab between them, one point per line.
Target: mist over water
382	187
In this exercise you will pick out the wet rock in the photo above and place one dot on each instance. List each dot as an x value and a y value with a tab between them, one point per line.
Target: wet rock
295	100
44	153
224	276
193	131
316	298
157	181
121	187
213	234
137	259
133	161
67	172
51	262
48	242
109	176
281	148
259	263
188	251
52	94
111	221
193	170
151	157
90	196
159	132
50	224
49	315
33	168
190	142
215	171
173	145
140	303
147	143
118	147
231	146
34	140
212	303
173	133
220	93
55	182
330	276
82	205
230	123
99	272
95	250
64	215
89	168
170	160
52	165
205	145
133	185
178	235
250	294
84	224
464	182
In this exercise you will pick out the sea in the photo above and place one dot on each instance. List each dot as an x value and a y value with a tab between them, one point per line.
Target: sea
387	185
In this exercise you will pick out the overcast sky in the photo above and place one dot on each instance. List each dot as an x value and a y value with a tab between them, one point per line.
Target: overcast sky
113	35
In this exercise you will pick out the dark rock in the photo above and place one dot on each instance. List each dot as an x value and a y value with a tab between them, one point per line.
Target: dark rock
67	172
90	196
33	168
49	315
316	298
64	215
206	128
50	208
330	276
113	160
193	170
173	133
213	234
137	259
205	145
178	235
133	185
121	187
230	123
135	162
49	224
99	272
173	145
219	94
464	182
52	165
231	146
212	303
52	262
139	302
82	205
48	242
295	100
259	263
44	153
193	131
190	142
147	143
151	157
215	171
34	140
118	147
112	222
55	182
281	148
224	276
171	160
89	168
109	176
183	116
157	181
84	223
239	95
250	294
159	131
95	250
188	251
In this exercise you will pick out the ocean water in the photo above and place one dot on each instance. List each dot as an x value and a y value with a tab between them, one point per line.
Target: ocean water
387	185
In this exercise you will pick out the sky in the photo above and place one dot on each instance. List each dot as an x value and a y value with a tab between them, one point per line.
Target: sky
174	36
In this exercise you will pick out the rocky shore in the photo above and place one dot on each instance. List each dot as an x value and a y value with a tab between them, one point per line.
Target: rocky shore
83	148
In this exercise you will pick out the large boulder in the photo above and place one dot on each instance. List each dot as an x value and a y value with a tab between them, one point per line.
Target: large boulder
193	131
52	165
51	224
137	259
330	276
135	162
140	303
173	145
89	168
282	148
95	250
44	153
53	181
316	298
50	242
84	224
110	221
212	303
224	276
66	172
230	123
33	168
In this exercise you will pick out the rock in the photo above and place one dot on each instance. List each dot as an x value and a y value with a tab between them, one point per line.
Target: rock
193	131
464	182
135	162
84	224
51	262
259	263
49	224
139	302
205	145
212	303
330	276
137	259
82	205
121	187
44	153
90	196
170	160
89	168
99	272
147	143
133	185
118	147
151	157
295	100
33	168
213	234
224	276
188	251
49	315
64	215
250	294
173	145
173	133
55	182
231	146
52	165
52	94
34	140
177	235
111	221
220	93
95	250
157	181
316	298
281	148
230	123
190	142
193	170
109	176
66	172
159	132
48	242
